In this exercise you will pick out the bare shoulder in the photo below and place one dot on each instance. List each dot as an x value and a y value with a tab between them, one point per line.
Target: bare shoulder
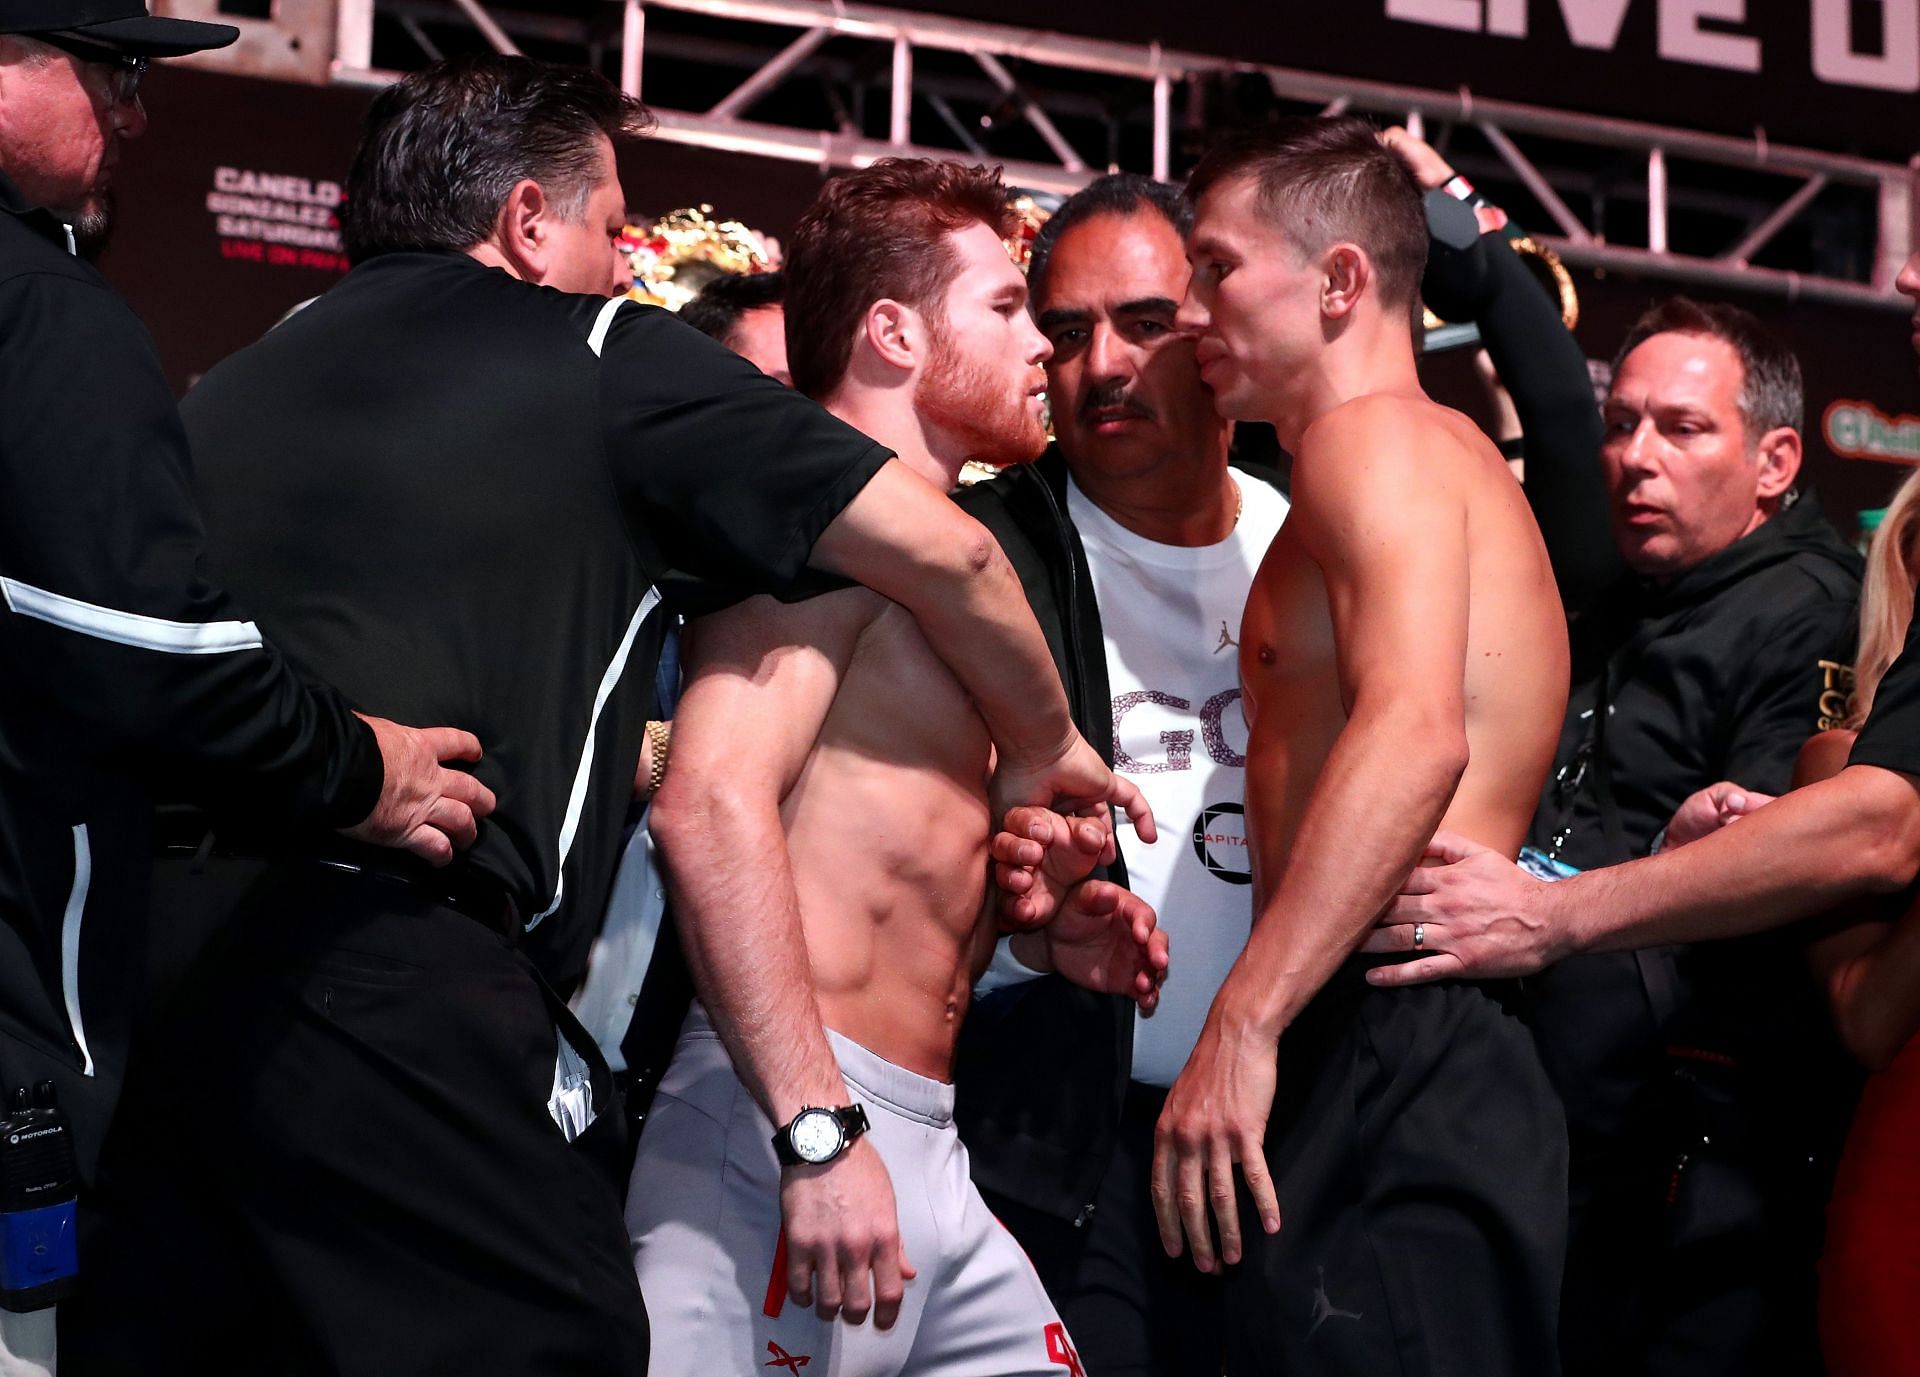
1822	757
1383	454
1389	434
1378	416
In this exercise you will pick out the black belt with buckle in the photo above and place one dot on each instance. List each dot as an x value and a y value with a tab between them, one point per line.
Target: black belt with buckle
459	887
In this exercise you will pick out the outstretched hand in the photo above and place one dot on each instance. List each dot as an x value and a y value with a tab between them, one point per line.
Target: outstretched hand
1103	938
1475	915
1076	781
424	807
1427	166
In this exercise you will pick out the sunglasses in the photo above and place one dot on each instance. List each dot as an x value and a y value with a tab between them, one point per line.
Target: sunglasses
124	71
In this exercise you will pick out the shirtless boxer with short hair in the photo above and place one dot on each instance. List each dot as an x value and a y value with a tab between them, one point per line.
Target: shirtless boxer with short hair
822	749
1404	664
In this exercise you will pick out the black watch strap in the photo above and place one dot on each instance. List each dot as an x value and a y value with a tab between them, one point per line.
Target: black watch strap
851	1118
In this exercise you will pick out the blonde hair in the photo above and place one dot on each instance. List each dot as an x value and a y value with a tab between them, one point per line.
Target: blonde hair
1886	596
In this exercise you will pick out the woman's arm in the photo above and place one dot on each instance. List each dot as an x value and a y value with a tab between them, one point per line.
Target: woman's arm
1869	961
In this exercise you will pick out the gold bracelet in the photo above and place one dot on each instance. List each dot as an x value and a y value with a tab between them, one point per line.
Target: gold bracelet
660	740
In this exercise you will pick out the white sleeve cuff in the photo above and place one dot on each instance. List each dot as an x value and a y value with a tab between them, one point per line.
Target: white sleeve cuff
1003	971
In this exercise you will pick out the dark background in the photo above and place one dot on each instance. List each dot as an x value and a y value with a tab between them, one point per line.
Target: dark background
167	256
1630	80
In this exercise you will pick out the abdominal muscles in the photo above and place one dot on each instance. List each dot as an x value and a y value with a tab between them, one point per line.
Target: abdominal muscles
888	826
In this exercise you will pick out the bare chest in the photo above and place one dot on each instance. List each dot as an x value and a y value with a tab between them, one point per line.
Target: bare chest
901	711
1287	658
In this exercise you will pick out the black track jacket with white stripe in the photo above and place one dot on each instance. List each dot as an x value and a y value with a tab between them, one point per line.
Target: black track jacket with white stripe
123	672
453	494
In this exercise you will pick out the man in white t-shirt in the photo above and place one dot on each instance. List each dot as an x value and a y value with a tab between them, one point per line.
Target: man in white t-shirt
1137	544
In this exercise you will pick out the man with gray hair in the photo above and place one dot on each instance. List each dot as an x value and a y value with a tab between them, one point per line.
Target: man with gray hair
1699	1082
1136	542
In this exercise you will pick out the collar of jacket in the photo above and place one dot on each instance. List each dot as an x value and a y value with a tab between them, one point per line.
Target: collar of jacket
1051	468
42	222
1801	529
1018	486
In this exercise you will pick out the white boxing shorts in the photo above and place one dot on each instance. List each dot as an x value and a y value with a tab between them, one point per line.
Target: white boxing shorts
704	1215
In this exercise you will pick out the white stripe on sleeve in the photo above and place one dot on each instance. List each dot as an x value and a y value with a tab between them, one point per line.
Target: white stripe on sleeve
577	799
597	338
129	628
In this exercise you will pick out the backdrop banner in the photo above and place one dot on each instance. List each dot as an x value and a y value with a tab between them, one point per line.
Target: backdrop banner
228	207
228	216
1832	74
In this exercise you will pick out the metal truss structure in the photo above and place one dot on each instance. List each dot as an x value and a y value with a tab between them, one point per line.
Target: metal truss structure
791	80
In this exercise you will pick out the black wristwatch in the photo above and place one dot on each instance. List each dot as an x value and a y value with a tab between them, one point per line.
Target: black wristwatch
817	1136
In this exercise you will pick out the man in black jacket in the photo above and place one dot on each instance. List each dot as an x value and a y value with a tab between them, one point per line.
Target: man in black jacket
126	673
1136	543
1695	1078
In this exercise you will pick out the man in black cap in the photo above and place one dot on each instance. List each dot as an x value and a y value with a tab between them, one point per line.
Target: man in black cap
125	671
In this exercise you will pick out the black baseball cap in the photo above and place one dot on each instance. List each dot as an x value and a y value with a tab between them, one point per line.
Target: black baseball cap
123	26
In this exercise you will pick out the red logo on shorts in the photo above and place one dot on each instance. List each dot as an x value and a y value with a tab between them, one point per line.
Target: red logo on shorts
792	1362
1060	1350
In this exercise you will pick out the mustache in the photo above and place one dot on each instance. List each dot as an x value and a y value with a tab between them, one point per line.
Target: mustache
1115	396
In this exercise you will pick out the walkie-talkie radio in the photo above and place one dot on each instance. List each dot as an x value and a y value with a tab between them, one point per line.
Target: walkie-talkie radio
39	1188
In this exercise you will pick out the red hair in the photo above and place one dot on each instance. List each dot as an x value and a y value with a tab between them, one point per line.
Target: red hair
876	234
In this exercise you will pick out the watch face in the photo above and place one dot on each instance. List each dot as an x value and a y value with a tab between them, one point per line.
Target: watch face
816	1135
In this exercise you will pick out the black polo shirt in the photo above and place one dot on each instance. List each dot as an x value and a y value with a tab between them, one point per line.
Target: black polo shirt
453	494
122	670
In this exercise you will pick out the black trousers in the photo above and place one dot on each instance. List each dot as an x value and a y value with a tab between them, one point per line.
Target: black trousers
1696	1238
1132	1310
335	1156
1420	1158
1699	1180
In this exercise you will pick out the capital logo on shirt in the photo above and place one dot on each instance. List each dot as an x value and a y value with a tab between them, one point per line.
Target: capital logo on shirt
1220	841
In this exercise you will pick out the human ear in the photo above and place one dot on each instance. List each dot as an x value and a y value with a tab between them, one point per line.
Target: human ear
520	231
1779	453
896	333
1347	273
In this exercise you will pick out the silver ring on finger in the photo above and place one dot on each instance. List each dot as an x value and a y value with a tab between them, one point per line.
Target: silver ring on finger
1419	936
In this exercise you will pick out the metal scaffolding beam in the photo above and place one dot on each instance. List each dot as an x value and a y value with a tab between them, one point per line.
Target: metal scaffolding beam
778	68
1664	152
